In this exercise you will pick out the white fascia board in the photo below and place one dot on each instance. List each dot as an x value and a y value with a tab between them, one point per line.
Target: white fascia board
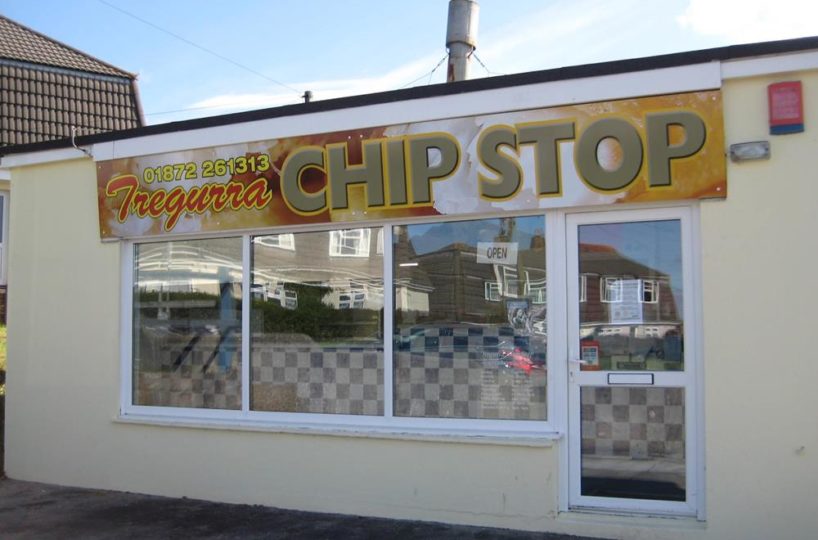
5	174
44	156
769	65
531	96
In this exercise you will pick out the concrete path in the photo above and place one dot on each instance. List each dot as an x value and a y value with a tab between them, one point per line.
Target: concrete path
31	510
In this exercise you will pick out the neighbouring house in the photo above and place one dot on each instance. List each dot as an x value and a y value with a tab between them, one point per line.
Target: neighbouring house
49	90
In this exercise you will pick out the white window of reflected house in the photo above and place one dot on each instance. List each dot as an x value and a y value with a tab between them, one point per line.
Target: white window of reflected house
510	280
611	289
583	288
493	292
349	243
281	241
650	291
535	289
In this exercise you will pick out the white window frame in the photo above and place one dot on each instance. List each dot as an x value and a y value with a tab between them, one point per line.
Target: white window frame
610	290
523	431
654	291
493	291
536	289
280	241
359	246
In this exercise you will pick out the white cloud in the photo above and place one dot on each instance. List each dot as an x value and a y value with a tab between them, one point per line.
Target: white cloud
561	34
746	21
321	89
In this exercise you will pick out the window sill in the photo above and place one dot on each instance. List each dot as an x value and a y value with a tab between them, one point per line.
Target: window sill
502	438
623	518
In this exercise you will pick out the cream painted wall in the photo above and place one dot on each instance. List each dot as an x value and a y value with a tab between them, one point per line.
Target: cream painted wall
759	255
760	364
63	392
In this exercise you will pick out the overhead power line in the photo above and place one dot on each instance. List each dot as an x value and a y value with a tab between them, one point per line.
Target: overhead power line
200	47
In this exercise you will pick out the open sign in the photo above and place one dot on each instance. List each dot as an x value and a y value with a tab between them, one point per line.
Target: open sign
497	253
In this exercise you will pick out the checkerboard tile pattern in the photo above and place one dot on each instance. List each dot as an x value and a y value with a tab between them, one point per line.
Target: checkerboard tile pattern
640	423
459	373
439	372
317	380
195	377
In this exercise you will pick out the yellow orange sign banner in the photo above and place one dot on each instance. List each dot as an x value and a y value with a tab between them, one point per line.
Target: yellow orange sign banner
636	150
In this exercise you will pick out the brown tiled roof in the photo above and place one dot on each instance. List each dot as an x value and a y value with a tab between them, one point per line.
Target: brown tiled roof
18	42
46	88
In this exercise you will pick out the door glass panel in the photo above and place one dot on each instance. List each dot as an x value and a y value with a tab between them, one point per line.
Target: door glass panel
633	442
630	296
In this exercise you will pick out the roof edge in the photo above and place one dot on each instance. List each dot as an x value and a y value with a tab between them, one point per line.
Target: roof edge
731	52
124	73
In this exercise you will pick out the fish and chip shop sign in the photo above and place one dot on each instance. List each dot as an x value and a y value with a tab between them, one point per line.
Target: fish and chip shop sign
636	150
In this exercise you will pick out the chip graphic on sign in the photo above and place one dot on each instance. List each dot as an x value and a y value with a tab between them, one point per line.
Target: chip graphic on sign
497	253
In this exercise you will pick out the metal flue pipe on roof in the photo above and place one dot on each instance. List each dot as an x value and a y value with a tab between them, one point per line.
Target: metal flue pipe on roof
461	37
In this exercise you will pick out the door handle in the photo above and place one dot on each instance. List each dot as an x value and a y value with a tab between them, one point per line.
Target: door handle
573	364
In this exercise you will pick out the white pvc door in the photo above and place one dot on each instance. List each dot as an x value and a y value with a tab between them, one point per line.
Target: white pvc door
630	351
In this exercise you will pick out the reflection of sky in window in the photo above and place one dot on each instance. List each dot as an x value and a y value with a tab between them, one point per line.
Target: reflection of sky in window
655	244
431	237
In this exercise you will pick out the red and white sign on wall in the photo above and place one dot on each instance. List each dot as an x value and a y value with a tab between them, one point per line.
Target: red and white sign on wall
786	108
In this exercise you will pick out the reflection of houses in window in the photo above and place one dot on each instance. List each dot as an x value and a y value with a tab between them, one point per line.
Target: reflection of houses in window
623	299
349	243
281	241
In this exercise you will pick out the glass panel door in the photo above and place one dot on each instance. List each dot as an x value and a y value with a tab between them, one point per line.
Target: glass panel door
629	365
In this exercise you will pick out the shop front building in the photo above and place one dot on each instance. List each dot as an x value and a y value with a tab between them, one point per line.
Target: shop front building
559	301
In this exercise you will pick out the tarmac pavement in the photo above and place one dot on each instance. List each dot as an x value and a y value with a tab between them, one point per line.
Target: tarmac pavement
32	510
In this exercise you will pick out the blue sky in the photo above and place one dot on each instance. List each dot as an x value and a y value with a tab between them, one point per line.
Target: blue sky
347	47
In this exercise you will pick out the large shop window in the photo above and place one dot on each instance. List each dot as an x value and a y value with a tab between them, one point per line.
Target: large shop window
470	319
187	324
449	325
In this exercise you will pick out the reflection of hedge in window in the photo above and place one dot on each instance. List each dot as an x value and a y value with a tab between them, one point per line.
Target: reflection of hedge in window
317	341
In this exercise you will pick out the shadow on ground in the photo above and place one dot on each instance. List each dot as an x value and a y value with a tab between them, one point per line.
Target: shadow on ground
31	510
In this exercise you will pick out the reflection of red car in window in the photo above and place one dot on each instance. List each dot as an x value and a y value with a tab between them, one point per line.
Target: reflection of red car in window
516	358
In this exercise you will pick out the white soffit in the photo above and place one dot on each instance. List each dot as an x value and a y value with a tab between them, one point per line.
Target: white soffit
769	65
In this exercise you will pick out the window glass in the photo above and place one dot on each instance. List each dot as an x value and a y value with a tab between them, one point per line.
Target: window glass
470	319
316	324
187	324
631	311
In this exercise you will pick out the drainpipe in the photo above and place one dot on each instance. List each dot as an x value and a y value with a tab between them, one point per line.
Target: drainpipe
461	37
